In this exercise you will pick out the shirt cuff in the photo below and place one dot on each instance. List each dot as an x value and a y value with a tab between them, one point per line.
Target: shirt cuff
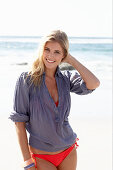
19	117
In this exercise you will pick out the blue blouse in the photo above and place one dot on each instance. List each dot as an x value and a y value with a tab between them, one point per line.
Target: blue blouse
47	124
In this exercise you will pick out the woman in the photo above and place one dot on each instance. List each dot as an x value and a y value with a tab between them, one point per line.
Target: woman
42	105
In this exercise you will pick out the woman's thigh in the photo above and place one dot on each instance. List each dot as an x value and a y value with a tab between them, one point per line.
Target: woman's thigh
70	162
44	165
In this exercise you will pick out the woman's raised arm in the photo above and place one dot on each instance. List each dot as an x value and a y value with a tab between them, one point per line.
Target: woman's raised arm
89	78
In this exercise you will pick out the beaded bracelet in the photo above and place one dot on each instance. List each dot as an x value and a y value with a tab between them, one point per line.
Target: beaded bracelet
29	162
29	166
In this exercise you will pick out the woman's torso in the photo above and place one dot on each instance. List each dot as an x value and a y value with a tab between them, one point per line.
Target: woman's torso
52	88
50	131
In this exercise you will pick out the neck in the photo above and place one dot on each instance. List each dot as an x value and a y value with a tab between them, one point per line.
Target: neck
50	72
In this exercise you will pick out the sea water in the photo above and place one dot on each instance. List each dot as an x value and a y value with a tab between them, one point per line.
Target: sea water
95	53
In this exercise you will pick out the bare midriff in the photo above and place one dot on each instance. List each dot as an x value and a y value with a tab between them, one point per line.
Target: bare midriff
37	151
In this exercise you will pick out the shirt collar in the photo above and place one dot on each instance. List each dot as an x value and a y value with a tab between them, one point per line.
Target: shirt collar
58	72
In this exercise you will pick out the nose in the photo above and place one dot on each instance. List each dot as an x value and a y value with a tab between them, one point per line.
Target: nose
51	55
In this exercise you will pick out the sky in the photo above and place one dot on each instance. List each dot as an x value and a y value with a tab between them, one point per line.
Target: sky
80	18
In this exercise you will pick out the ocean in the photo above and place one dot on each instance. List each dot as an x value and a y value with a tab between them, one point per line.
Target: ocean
96	53
17	53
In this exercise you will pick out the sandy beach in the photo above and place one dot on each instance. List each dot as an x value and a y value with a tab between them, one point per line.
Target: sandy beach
90	118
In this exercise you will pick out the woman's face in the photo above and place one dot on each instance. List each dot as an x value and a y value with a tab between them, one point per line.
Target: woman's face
52	55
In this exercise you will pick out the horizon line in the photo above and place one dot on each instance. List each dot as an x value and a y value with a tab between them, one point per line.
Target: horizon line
39	36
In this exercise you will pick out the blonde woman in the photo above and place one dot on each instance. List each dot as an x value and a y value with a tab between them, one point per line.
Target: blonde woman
42	105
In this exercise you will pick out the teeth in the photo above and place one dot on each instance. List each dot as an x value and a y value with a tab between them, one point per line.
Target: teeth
50	61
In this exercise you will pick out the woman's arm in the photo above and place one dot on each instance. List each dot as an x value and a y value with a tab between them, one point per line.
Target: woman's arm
23	141
90	79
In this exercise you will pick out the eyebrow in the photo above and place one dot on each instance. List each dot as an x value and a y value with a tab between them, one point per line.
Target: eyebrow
55	50
46	47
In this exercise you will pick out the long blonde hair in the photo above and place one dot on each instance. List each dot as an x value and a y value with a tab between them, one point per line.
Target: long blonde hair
37	69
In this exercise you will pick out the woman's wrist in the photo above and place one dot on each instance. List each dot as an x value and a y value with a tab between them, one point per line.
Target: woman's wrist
28	163
29	166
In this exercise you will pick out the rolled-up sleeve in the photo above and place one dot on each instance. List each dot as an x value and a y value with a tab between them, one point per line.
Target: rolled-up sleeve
20	111
77	84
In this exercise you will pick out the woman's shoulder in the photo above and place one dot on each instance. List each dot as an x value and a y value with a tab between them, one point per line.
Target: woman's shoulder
24	77
24	74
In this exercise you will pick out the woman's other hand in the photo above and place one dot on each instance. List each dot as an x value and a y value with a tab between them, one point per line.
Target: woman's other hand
67	59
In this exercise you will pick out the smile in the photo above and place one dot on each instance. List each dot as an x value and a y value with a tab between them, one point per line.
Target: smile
50	61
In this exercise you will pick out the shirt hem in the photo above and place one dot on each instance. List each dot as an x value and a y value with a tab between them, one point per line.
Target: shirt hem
52	150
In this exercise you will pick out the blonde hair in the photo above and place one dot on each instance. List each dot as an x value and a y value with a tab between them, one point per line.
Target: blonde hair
37	69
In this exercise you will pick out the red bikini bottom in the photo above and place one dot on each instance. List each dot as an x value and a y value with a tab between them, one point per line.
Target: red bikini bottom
55	159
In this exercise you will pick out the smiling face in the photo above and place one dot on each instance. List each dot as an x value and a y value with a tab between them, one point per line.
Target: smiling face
52	55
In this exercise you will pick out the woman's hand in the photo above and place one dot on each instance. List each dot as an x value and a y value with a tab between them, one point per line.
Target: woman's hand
67	59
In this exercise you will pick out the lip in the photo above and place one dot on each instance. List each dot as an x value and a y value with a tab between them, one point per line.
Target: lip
49	61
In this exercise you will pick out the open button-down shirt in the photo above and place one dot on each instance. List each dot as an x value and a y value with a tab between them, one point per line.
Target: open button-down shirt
47	124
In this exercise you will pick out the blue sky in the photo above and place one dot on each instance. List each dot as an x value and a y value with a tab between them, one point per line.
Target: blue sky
92	18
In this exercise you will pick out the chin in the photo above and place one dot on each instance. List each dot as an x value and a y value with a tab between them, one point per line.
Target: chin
48	66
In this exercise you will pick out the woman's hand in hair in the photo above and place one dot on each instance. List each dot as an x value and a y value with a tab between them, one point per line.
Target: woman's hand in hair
67	59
